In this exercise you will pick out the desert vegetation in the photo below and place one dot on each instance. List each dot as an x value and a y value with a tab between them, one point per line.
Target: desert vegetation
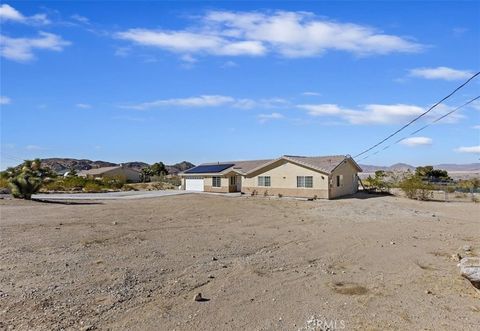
420	184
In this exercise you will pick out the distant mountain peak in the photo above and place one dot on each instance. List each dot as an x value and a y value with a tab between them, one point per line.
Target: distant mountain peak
405	167
62	165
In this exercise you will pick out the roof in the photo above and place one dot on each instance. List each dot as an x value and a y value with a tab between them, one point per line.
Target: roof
325	164
209	168
241	167
100	171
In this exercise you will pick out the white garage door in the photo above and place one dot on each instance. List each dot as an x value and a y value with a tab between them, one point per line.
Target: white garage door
194	184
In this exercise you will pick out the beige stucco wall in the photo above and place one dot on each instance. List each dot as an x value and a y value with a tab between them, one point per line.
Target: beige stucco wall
350	180
224	182
283	176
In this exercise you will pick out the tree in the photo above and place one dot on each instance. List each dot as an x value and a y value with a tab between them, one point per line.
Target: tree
71	173
158	169
430	174
145	174
378	183
28	179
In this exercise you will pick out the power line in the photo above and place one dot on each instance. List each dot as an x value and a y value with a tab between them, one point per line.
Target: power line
419	116
423	127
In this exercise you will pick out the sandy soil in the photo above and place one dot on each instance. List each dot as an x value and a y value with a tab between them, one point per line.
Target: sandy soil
383	263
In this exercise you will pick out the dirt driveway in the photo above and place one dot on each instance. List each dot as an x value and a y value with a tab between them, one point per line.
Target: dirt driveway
383	263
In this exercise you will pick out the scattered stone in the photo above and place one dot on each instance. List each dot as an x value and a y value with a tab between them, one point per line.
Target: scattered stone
456	257
470	269
428	292
433	215
114	223
211	276
392	243
214	258
467	248
198	297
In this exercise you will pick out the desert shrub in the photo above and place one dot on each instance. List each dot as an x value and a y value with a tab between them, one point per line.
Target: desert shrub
70	183
112	182
415	188
377	183
265	193
174	180
92	187
27	180
280	195
56	185
3	182
254	192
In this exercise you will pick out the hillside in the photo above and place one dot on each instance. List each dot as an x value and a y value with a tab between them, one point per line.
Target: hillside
402	167
61	165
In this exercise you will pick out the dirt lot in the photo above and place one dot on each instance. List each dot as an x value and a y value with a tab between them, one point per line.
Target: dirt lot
383	263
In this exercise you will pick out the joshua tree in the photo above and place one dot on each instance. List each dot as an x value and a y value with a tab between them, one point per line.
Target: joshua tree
27	180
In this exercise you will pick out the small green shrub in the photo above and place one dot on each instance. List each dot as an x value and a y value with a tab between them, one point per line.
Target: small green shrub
92	187
415	188
3	183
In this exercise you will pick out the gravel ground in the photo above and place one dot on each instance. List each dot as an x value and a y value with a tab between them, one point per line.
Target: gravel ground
382	263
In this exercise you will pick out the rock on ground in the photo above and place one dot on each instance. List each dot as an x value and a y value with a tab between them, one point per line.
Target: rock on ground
470	269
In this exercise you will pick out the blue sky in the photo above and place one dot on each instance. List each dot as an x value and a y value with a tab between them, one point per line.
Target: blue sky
207	81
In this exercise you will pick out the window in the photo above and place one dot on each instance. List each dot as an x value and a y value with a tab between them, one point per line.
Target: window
233	180
339	180
304	181
264	181
216	181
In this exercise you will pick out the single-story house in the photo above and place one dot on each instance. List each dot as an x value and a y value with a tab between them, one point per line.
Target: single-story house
323	177
121	172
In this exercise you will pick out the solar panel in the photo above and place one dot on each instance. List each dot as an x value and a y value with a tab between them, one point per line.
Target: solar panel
205	169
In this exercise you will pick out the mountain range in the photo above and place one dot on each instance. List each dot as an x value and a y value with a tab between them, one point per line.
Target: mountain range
62	165
402	167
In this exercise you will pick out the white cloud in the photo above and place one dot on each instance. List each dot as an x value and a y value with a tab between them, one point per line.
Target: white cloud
229	64
189	42
475	105
5	100
476	127
311	94
380	113
367	114
444	73
416	141
81	19
22	49
470	149
34	148
8	13
263	118
187	58
289	34
211	101
323	109
200	101
83	105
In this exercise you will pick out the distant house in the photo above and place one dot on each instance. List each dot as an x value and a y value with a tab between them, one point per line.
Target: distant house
122	172
323	177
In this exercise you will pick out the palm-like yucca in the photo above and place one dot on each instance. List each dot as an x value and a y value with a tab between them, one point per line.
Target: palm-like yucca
27	181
